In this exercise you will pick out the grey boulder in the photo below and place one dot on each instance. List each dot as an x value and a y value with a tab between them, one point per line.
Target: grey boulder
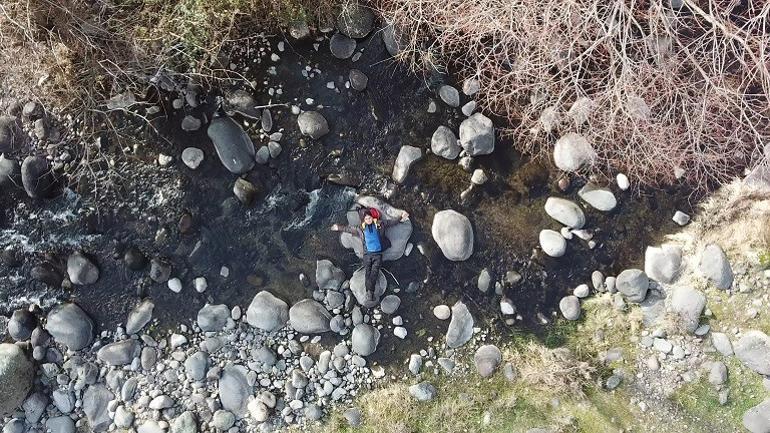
460	327
444	143
552	243
572	152
570	307
565	212
423	391
212	318
662	264
95	402
407	156
309	317
358	287
753	350
757	419
453	233
81	270
486	359
185	423
234	390
365	339
60	424
633	284
313	124
341	46
16	373
477	135
688	304
119	353
69	325
715	266
328	276
36	176
140	316
599	198
267	312
355	20
11	134
234	147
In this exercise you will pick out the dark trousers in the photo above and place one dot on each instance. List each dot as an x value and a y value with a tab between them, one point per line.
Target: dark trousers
372	263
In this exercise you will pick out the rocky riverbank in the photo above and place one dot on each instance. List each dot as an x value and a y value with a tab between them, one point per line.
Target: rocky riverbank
182	278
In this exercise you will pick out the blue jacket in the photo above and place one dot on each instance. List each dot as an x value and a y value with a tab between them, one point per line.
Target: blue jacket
380	227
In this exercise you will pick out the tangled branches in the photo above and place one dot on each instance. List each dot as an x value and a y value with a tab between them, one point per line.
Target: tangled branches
661	92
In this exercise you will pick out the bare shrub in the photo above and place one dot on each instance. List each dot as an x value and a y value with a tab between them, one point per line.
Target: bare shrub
661	93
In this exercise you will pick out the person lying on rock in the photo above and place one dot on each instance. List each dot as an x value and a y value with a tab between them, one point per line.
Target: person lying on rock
372	234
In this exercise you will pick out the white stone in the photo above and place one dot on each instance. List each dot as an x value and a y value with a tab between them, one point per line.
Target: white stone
175	285
623	182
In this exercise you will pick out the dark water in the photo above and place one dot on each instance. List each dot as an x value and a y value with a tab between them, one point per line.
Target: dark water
267	246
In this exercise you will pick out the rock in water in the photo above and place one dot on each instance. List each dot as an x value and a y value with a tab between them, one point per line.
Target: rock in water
36	177
81	270
365	339
552	243
393	41
757	419
453	233
21	325
267	312
313	124
599	198
341	46
487	358
234	390
662	264
95	402
309	317
119	353
358	80
566	212
633	284
688	304
328	276
477	135
139	316
572	151
407	156
358	287
212	318
570	307
355	20
69	325
449	95
444	143
16	373
234	147
460	327
715	266
753	349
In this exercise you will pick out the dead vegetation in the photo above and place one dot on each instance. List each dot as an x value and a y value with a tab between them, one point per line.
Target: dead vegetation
661	92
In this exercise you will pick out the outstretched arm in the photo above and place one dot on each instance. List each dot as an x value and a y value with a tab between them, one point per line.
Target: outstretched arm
388	223
341	228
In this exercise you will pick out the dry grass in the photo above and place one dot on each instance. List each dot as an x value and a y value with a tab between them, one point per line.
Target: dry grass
655	90
555	369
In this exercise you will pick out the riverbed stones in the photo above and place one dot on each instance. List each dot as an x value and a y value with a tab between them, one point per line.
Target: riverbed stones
16	373
449	95
328	276
69	325
570	307
662	264
460	327
119	353
341	46
140	316
565	212
423	391
453	233
688	304
234	389
36	176
552	243
213	318
715	267
599	198
267	312
407	157
633	284
477	135
95	401
572	152
444	143
234	147
757	419
753	350
358	287
313	124
364	339
486	359
355	20
309	317
358	80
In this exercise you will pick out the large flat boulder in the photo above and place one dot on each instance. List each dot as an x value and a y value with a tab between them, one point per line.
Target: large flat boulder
453	233
398	234
69	325
267	312
234	147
